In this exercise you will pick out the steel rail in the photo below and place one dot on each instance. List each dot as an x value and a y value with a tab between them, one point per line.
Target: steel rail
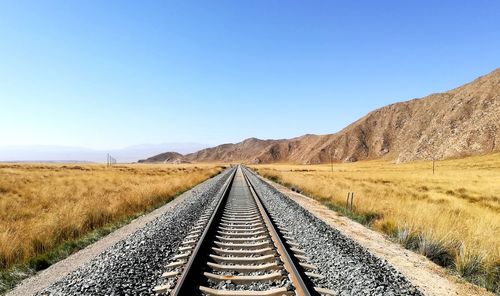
303	286
184	285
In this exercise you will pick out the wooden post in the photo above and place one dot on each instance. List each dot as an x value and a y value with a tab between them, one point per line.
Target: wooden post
349	201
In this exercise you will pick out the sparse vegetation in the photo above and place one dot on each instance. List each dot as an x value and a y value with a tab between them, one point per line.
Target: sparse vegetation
47	211
452	217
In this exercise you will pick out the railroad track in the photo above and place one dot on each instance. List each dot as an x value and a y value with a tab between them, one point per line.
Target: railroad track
235	248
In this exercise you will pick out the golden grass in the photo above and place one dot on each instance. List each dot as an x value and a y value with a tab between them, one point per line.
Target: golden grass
453	216
43	205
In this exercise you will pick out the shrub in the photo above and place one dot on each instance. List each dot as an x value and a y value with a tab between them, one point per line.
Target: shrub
470	265
441	251
407	237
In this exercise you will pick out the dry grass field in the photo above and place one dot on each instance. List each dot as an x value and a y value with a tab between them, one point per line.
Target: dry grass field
452	216
45	205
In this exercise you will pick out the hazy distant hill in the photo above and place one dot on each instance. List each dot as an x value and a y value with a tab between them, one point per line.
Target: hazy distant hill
462	121
72	154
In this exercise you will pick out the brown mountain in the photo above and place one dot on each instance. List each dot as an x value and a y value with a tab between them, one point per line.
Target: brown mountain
462	121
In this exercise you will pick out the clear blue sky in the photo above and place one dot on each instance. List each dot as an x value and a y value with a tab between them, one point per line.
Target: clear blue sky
106	74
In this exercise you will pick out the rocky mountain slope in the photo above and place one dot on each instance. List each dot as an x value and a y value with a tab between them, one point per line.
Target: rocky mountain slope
462	121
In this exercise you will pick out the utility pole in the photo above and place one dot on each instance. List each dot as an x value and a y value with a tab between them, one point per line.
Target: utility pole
433	164
110	160
433	157
331	158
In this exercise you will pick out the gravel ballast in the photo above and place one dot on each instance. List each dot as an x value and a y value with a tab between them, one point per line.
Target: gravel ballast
133	266
349	269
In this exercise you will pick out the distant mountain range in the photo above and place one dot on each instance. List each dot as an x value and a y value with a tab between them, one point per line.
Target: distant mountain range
459	122
78	154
